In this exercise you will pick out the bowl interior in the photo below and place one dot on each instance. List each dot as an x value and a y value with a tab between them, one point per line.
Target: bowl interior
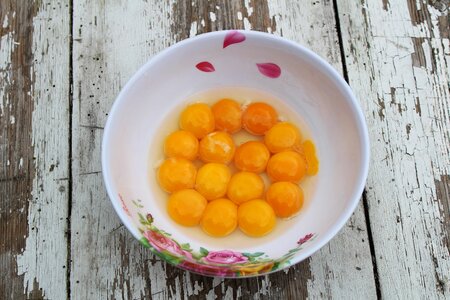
308	92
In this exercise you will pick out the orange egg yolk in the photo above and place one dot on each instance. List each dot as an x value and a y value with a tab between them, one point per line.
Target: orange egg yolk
176	174
181	144
245	186
217	147
252	156
309	151
219	218
212	180
286	166
282	136
286	198
198	119
227	115
186	207
256	218
258	118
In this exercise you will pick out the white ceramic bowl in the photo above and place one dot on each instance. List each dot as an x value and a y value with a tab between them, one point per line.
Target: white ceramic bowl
250	66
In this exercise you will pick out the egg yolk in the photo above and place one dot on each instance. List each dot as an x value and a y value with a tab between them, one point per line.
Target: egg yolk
256	218
245	186
286	166
198	119
181	144
186	207
258	118
227	115
252	156
216	147
286	198
176	174
309	151
212	180
219	218
282	136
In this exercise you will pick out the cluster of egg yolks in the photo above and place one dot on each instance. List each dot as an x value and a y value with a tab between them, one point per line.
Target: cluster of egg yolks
186	207
282	136
286	166
216	147
176	173
285	198
227	115
220	217
245	186
212	180
256	218
232	197
252	157
198	119
309	152
182	144
258	118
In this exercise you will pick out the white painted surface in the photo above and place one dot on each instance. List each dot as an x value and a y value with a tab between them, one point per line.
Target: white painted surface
401	71
106	53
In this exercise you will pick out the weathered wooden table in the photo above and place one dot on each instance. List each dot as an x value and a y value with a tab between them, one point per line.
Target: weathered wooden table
63	62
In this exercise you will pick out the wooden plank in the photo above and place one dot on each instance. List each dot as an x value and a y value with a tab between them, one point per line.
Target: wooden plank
397	56
106	53
34	144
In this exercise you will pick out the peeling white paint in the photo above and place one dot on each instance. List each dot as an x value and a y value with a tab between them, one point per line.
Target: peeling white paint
197	288
247	24
5	60
5	21
193	31
203	22
239	15
12	119
123	52
406	108
248	7
265	286
44	258
212	16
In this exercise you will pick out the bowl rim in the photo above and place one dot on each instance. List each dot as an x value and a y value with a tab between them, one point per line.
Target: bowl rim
319	63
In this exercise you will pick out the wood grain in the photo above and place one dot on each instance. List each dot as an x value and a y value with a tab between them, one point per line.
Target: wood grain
101	67
397	57
34	145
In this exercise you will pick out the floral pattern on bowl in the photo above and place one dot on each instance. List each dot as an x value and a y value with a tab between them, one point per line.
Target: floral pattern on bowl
223	263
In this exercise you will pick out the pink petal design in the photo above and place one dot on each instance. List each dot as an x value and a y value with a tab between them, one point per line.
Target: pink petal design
233	37
305	238
269	69
205	66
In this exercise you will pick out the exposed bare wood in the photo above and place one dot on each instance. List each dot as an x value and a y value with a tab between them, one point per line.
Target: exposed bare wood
397	57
